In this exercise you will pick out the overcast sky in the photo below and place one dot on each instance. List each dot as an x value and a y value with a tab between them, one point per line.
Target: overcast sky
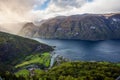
27	10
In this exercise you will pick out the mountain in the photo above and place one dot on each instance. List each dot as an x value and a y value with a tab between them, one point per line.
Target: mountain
13	50
29	29
83	27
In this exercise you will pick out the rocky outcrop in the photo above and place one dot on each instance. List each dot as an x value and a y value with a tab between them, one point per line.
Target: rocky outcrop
83	27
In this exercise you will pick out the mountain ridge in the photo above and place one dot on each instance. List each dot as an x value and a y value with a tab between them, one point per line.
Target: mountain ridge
82	27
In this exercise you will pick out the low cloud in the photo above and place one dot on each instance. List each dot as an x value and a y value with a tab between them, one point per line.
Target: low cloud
15	11
71	7
24	10
101	6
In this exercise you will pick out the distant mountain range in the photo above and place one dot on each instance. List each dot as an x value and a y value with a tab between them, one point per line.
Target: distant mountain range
14	49
82	27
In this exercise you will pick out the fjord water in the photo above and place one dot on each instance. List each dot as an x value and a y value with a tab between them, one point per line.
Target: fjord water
108	50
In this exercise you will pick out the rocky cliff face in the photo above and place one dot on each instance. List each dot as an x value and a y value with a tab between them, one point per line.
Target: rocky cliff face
83	27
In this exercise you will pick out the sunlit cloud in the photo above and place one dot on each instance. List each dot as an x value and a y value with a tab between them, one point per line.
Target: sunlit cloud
29	10
71	7
17	11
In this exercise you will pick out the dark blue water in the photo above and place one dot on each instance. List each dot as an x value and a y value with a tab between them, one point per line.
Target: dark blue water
86	50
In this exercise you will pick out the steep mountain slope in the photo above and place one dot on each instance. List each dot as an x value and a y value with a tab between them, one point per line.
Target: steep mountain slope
29	29
13	49
83	27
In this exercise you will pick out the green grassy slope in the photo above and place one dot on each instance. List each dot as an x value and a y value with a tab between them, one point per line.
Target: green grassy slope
14	49
84	71
78	71
42	59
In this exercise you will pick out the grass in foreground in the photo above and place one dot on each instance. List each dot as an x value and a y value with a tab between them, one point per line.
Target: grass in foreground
72	71
43	59
24	73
